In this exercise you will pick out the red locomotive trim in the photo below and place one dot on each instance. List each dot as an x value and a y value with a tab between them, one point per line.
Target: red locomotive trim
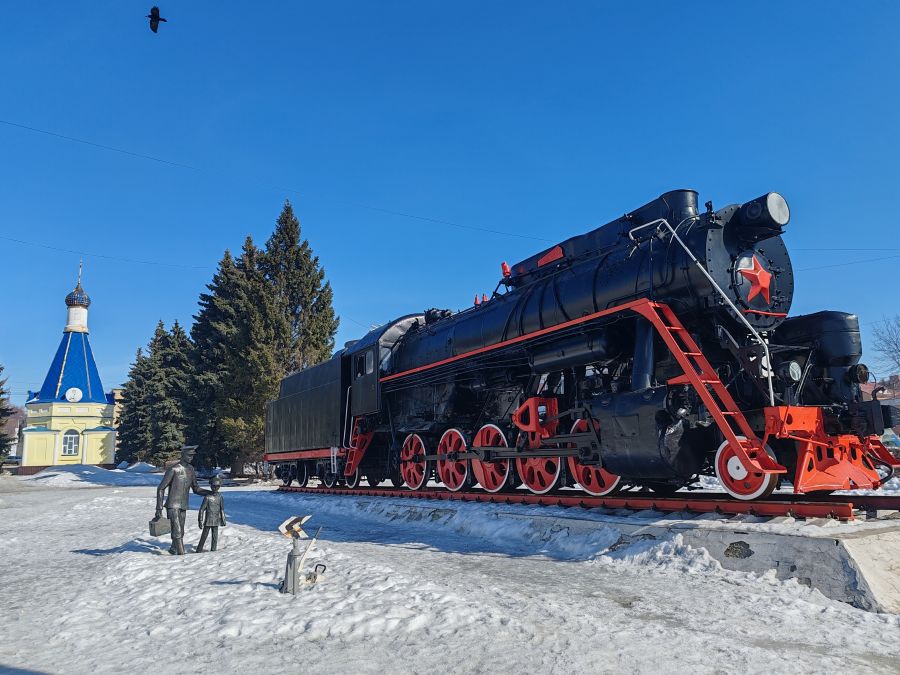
321	453
528	421
554	254
842	462
522	338
759	311
359	443
710	503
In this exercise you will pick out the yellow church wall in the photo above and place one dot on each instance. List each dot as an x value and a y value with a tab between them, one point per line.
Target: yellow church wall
61	417
43	448
99	447
39	448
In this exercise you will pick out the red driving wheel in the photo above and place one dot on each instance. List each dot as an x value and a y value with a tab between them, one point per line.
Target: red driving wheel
539	474
594	480
495	475
413	468
454	473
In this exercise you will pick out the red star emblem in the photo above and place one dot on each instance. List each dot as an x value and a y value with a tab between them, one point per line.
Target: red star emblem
760	279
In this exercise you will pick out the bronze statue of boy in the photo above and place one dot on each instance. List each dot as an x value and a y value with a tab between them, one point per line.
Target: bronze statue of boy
212	515
179	479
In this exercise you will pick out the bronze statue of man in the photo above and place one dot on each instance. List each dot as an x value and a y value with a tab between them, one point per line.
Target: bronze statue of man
179	479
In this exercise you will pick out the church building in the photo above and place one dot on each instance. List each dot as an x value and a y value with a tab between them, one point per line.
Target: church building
70	420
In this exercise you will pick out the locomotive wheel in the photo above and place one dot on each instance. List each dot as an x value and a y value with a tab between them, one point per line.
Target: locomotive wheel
454	474
330	479
373	479
594	480
302	474
353	479
396	480
492	476
540	474
414	472
287	474
739	481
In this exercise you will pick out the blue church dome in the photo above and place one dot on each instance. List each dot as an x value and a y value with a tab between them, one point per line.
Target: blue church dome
73	370
78	297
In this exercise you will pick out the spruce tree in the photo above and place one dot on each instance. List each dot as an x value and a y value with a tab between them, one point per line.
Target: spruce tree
301	291
167	391
253	350
153	417
134	439
263	315
6	412
213	327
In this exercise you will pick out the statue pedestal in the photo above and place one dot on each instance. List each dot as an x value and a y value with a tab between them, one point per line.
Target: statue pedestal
292	583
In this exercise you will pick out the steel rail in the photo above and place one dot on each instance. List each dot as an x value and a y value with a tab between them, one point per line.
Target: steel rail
797	506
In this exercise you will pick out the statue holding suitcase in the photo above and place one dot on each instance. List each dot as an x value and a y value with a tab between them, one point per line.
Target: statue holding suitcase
180	479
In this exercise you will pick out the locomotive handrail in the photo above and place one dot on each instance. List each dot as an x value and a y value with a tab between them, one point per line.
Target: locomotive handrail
737	312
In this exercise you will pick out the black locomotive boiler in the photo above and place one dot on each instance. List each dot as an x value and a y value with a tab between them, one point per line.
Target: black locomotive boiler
645	353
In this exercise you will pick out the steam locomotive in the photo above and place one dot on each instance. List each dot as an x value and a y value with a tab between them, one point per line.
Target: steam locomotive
643	354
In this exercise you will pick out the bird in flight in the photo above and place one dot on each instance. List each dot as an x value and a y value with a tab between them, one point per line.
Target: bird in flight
155	18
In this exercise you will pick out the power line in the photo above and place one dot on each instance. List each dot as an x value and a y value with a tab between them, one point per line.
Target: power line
845	264
142	262
368	327
359	205
99	145
102	255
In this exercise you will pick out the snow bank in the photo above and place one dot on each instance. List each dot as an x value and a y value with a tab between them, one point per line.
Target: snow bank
509	532
86	475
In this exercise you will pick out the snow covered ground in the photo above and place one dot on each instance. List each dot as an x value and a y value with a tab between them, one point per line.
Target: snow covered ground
85	590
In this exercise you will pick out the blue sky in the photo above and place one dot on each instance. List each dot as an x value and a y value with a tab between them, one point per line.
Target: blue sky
537	119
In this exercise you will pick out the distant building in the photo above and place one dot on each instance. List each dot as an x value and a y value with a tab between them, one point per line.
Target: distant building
12	428
888	390
70	420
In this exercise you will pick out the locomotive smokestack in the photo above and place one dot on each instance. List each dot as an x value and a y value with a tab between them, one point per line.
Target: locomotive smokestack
763	217
674	206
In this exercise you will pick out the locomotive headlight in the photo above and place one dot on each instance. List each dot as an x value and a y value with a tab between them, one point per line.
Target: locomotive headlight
762	217
859	373
770	210
790	371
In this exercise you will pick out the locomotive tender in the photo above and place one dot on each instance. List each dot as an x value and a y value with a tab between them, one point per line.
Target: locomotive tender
644	353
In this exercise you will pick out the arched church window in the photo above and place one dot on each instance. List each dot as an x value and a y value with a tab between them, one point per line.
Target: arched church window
71	441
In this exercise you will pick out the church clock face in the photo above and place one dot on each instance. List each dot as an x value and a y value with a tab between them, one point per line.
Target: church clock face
73	395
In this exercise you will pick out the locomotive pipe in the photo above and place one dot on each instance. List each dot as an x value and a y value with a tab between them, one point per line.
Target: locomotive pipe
642	369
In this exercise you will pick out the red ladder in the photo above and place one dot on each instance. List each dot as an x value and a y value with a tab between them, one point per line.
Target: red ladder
699	373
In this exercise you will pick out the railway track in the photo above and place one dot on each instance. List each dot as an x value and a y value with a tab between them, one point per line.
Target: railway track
839	507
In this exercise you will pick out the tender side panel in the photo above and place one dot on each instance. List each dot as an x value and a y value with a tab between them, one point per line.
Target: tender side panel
308	413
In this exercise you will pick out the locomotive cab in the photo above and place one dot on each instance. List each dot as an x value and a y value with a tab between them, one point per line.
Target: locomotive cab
369	357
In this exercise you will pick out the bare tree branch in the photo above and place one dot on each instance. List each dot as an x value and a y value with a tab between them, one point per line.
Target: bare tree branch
887	341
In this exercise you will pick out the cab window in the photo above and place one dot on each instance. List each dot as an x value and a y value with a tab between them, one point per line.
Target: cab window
370	362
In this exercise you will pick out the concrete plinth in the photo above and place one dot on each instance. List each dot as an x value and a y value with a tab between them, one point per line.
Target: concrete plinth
856	562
